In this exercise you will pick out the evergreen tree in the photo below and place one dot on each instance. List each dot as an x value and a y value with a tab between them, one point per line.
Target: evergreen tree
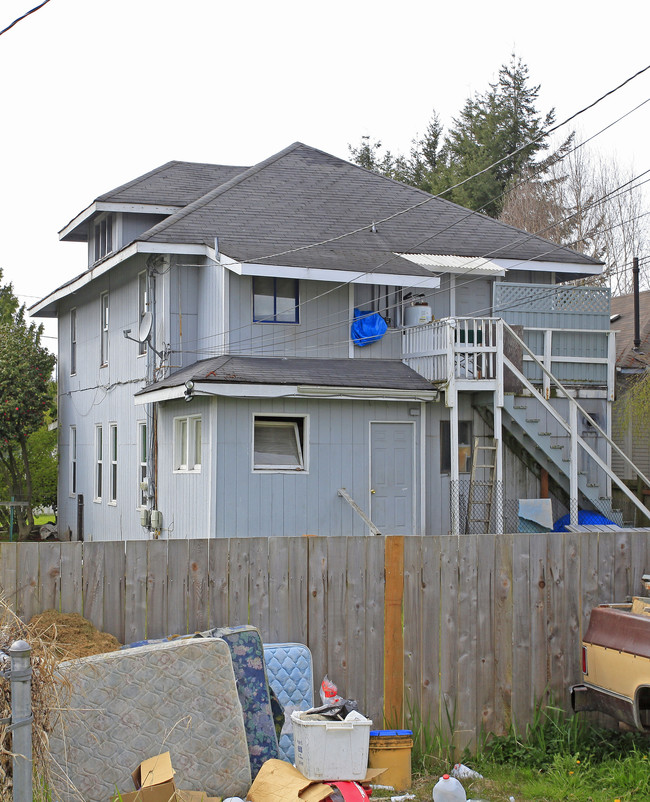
25	399
501	127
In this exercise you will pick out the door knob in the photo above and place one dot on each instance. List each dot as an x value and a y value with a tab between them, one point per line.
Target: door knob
373	491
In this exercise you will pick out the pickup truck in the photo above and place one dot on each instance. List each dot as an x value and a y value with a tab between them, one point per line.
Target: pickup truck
616	663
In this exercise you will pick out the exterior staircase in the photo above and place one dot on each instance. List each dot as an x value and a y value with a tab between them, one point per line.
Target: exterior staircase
550	445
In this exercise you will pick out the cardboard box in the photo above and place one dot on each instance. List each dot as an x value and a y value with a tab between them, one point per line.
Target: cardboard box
154	782
278	781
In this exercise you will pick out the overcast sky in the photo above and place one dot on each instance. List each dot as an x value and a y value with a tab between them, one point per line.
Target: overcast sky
97	92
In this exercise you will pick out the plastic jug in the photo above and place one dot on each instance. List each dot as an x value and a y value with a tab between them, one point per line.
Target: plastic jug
448	789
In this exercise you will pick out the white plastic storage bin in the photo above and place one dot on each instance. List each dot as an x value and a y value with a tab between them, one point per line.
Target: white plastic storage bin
331	750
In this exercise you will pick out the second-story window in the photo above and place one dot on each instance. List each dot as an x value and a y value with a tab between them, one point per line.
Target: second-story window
103	303
275	300
73	341
103	235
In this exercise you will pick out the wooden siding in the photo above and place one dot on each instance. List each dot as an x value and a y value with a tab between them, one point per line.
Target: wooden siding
323	330
489	624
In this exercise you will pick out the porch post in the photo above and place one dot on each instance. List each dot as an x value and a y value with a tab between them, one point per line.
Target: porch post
573	479
455	475
548	350
498	431
498	442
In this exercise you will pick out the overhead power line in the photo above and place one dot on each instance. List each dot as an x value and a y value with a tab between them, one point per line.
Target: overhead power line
26	14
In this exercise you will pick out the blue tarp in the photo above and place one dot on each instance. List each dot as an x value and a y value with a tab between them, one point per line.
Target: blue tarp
367	327
584	517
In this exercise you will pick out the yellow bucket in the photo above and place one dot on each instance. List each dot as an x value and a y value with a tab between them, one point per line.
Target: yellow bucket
391	750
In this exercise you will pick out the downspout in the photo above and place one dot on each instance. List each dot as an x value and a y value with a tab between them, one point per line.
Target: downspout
150	409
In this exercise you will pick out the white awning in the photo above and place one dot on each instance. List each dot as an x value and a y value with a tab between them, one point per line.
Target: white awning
446	263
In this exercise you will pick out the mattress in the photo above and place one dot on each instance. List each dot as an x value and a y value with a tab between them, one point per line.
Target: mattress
123	707
245	643
291	676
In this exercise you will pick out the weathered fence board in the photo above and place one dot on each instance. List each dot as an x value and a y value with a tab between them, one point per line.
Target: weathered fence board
198	607
71	595
465	633
136	583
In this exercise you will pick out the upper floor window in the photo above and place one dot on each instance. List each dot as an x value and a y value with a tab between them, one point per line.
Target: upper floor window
142	306
103	236
187	443
103	303
275	300
73	341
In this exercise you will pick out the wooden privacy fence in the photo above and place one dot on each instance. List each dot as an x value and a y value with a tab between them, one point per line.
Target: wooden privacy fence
473	628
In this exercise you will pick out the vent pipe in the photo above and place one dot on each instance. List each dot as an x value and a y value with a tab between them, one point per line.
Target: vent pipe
637	326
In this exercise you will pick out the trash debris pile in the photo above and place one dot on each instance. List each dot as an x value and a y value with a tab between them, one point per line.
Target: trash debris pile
215	716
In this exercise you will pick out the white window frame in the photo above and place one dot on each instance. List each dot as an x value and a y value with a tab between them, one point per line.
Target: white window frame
104	227
284	419
99	463
73	341
188	451
73	461
112	453
104	313
142	463
143	304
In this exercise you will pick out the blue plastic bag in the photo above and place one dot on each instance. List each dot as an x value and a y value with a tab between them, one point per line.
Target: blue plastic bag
367	327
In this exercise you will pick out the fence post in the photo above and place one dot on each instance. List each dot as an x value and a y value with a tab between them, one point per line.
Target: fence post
21	720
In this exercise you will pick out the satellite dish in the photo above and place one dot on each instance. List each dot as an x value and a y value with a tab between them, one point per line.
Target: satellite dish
145	327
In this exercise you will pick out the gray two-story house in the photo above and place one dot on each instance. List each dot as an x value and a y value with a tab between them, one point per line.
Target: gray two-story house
255	351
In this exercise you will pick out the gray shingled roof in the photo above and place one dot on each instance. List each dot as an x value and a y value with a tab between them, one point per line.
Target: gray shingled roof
173	184
386	374
301	196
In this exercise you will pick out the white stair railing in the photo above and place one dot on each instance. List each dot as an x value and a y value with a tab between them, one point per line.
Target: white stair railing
572	428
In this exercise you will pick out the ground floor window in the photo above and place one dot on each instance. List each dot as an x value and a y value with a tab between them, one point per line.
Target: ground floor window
187	443
464	446
73	460
142	463
113	455
99	462
279	443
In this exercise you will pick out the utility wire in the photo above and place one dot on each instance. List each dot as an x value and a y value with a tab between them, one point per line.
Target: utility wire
541	136
608	196
471	213
16	21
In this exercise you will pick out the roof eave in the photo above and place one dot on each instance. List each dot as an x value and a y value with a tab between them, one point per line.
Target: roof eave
77	230
248	390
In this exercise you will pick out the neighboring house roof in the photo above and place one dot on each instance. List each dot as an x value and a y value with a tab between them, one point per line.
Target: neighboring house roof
622	308
277	210
383	374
